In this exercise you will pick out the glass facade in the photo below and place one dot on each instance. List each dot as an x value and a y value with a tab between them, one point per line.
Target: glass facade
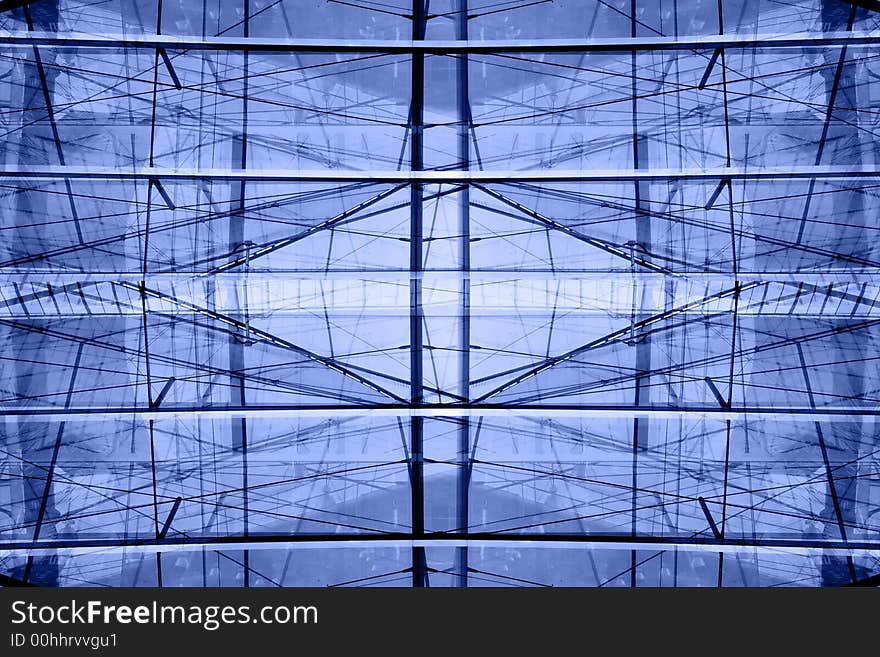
439	293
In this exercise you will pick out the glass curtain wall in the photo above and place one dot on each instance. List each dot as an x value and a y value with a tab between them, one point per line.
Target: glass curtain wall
439	293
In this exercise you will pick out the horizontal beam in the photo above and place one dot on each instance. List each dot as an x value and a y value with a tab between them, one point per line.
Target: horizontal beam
32	275
437	177
178	411
440	47
494	540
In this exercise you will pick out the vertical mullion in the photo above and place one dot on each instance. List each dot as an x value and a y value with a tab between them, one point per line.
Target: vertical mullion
419	566
464	131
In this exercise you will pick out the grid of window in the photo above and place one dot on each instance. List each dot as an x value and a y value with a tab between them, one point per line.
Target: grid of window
439	292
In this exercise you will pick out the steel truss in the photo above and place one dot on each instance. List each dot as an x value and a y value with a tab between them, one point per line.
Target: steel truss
444	301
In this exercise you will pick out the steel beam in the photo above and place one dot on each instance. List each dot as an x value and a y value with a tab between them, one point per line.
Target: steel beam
473	540
465	127
445	176
64	277
440	47
626	411
416	317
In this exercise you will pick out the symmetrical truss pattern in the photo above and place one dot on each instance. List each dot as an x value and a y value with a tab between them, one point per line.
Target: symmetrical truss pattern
439	293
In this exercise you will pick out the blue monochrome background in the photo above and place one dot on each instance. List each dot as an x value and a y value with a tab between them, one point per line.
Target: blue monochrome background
439	293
